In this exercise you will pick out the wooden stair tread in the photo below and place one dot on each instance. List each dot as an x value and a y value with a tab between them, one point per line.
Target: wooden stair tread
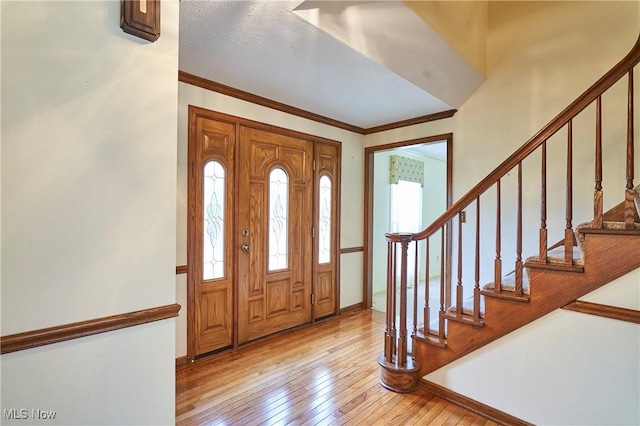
608	256
508	286
432	339
467	308
555	260
464	319
555	266
506	294
608	227
634	231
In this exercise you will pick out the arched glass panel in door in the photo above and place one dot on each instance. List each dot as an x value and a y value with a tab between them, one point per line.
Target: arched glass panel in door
213	220
324	232
278	219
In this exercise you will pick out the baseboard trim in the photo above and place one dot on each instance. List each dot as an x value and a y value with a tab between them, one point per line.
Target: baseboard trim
471	404
607	311
181	360
351	308
61	333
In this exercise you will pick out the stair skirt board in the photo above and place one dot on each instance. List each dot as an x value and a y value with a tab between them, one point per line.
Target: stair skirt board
508	282
606	257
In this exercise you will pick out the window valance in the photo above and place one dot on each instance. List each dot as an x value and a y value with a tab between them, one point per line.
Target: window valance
402	168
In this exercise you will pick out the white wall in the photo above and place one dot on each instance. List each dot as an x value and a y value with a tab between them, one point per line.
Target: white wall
566	368
434	202
352	198
88	208
541	56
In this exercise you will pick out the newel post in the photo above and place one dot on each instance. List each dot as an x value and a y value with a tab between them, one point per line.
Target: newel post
399	370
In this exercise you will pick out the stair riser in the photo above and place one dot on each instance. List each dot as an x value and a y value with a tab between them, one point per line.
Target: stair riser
607	257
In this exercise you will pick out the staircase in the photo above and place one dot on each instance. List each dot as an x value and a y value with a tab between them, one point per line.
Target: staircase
423	335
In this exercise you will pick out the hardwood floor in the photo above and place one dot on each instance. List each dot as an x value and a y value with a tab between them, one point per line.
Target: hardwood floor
323	374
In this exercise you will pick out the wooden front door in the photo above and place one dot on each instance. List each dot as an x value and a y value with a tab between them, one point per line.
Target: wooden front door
211	272
262	230
276	223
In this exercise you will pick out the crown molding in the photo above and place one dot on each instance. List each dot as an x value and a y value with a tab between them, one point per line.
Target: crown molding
259	100
203	83
411	121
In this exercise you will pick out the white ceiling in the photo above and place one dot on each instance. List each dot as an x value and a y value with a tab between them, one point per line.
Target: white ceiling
435	150
363	63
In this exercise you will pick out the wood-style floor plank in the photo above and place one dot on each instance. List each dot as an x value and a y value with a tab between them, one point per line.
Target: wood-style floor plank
325	374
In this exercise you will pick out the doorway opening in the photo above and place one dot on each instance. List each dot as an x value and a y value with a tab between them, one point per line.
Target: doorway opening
405	201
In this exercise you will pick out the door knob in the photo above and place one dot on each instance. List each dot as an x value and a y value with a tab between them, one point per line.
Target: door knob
245	248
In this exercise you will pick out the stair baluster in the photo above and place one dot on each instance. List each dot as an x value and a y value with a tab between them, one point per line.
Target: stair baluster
568	232
427	314
543	206
597	195
476	288
518	289
390	332
442	287
402	338
459	288
629	208
415	290
497	275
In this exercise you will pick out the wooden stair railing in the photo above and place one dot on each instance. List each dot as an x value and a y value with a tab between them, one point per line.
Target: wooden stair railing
399	368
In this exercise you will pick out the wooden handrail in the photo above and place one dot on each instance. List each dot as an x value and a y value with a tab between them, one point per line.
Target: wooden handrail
62	333
396	364
589	96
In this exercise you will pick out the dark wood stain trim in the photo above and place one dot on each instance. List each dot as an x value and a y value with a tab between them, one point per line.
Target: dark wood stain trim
199	112
203	83
367	232
182	269
471	404
180	361
368	207
196	112
351	308
259	100
351	250
445	137
607	311
61	333
411	121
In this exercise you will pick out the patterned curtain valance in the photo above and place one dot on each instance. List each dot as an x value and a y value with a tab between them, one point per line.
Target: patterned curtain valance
402	168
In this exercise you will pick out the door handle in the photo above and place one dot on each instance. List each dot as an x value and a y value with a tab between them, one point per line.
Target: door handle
245	248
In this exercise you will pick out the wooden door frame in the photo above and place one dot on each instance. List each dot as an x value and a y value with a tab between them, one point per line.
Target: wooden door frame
367	290
193	113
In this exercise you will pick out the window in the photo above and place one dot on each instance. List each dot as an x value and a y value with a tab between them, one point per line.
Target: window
324	233
213	221
278	219
406	216
406	207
